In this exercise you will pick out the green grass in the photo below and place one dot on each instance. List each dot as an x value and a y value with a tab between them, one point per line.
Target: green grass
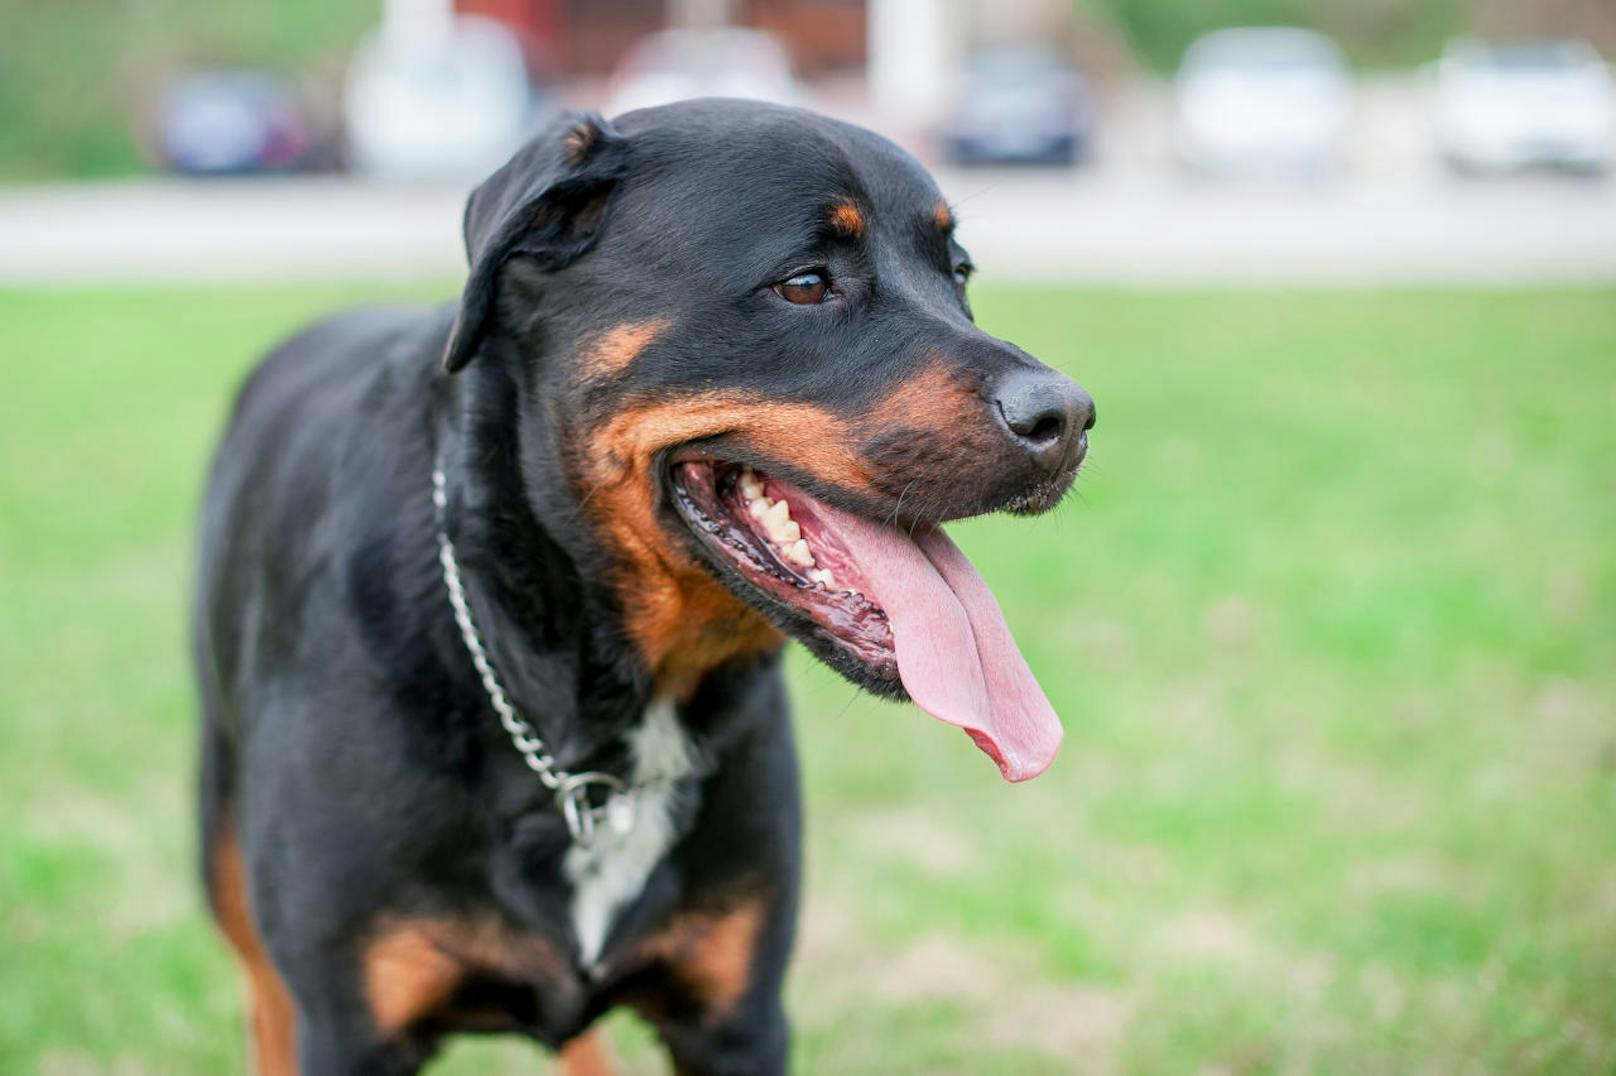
1331	622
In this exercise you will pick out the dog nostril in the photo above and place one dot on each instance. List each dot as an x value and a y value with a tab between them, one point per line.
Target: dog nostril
1044	411
1046	428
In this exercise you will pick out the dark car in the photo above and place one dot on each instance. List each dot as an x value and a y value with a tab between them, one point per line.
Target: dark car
231	123
1020	106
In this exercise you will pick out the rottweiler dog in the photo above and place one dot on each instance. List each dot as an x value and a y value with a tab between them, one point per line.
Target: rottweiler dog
491	598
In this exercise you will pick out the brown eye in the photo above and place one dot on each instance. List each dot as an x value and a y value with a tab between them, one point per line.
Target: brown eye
804	289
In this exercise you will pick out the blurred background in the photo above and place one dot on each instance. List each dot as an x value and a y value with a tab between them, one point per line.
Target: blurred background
1331	619
1106	139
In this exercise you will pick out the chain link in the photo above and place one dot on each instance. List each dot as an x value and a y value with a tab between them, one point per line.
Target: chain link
571	789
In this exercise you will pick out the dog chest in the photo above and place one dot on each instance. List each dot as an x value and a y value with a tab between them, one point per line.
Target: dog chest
613	870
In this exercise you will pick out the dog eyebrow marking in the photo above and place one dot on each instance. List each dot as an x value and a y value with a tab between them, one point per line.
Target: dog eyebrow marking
943	216
580	140
848	219
610	353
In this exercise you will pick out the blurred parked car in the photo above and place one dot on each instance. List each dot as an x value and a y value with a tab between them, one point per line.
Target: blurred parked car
1020	106
1263	100
230	123
1525	104
449	101
672	65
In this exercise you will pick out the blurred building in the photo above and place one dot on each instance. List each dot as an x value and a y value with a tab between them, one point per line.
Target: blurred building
908	50
585	38
1594	20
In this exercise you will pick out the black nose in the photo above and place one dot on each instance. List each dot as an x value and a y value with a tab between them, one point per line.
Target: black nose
1045	412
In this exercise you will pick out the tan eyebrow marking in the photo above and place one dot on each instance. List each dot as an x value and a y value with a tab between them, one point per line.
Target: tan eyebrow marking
943	216
581	140
848	219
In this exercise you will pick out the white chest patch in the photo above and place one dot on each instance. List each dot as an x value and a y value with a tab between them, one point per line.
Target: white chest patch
613	870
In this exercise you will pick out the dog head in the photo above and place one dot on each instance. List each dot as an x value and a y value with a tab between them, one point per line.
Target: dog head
744	346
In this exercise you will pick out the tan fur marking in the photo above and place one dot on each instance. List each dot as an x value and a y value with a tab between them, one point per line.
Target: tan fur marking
272	1016
580	140
411	967
711	954
848	219
943	215
586	1055
406	976
610	353
683	620
931	401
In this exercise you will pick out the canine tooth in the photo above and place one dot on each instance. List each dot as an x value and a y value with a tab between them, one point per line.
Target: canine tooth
798	553
751	488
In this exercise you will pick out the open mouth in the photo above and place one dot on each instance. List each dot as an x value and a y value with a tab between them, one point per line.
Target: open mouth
897	612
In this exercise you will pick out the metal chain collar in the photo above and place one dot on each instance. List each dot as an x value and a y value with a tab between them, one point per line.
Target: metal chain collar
571	789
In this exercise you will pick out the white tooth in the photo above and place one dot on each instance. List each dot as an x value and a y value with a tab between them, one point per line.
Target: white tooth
823	577
797	553
781	533
750	486
759	507
777	514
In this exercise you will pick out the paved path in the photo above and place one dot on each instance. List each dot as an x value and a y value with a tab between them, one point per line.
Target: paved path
1161	230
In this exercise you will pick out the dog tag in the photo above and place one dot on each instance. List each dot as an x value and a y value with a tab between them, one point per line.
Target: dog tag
620	812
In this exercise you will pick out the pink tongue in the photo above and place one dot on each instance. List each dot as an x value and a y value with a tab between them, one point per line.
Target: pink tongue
955	654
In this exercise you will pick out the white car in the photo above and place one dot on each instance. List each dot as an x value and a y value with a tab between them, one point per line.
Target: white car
1273	101
442	102
1548	103
672	65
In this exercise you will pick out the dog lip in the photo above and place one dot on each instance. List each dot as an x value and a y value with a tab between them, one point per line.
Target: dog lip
1033	499
693	453
804	485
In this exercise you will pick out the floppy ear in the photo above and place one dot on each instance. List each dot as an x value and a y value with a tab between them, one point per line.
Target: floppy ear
546	203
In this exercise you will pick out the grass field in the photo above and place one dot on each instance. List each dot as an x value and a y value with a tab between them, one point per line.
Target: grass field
1331	622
